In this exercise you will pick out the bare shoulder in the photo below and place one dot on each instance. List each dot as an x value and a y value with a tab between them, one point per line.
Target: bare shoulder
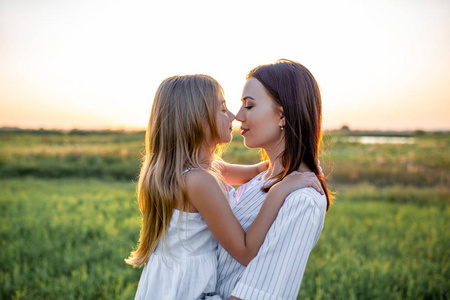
199	179
204	192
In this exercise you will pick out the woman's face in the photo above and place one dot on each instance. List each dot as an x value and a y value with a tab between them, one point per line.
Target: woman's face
260	116
224	121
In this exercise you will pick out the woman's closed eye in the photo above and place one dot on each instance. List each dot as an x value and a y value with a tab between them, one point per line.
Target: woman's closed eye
246	104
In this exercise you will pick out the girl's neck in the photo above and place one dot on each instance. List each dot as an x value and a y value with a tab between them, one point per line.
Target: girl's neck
206	156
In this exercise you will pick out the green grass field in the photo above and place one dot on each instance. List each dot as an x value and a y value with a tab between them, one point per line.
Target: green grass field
70	217
117	155
66	239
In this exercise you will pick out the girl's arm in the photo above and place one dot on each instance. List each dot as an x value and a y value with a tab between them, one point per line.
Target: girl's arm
206	195
240	174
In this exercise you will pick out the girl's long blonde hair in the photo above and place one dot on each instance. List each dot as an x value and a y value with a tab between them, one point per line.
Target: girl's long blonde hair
183	110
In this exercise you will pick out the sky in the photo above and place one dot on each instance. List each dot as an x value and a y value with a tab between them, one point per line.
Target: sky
96	64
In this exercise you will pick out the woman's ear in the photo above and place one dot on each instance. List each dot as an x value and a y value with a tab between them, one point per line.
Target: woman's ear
282	121
281	114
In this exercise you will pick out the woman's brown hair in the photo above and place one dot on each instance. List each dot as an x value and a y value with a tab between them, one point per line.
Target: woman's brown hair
294	88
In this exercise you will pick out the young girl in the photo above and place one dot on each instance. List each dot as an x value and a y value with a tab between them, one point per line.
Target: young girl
183	195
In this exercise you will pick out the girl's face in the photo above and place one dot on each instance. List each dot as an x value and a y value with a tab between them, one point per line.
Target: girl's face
224	121
260	116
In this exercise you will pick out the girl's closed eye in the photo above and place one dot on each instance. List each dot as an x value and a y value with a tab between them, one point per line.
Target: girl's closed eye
224	107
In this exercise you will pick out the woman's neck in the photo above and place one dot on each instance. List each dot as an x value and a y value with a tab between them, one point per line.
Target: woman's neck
275	165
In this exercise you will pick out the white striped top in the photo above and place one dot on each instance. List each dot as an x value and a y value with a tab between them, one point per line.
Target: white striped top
277	271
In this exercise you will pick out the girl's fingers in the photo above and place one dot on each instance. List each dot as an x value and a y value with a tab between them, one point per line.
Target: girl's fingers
313	182
310	179
318	186
321	190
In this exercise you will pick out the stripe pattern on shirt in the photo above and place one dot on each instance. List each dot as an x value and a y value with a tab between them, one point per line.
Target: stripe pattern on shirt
277	271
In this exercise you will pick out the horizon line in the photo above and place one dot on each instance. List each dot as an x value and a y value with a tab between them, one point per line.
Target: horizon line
235	128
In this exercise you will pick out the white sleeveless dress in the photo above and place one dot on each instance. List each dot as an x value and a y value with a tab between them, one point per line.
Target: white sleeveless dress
185	266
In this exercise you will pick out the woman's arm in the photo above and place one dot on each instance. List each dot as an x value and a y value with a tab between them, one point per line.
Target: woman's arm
240	174
208	198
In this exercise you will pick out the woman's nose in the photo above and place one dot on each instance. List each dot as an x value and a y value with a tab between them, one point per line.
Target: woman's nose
240	115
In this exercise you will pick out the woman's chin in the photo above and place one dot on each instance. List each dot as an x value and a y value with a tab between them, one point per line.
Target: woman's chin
249	145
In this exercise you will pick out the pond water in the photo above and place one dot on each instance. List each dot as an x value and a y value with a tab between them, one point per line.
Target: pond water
377	140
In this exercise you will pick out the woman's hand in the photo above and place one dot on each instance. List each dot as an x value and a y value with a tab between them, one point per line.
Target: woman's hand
297	180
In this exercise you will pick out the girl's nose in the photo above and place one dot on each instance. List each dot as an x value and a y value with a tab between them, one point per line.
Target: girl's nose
231	116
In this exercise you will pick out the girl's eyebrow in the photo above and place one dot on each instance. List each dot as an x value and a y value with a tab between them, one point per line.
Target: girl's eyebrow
248	97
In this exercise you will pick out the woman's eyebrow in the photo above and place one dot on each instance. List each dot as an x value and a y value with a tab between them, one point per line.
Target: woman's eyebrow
247	97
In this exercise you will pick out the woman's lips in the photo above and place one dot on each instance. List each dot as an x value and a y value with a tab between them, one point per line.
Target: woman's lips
244	131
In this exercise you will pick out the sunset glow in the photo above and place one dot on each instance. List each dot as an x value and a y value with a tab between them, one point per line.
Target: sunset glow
97	64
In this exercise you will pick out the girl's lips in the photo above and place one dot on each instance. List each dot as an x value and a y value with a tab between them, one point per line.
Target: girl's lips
244	131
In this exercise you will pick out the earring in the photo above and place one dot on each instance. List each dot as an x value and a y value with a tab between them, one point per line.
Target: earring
281	127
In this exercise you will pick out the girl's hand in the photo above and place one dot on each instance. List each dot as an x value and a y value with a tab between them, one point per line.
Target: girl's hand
297	180
320	168
262	166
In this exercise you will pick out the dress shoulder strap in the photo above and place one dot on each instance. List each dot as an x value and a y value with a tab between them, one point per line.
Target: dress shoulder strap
188	169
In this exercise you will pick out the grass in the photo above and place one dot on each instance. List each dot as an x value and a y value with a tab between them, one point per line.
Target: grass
107	155
67	238
70	217
422	163
117	155
378	248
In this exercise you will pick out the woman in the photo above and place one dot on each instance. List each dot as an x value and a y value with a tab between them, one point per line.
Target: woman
280	113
